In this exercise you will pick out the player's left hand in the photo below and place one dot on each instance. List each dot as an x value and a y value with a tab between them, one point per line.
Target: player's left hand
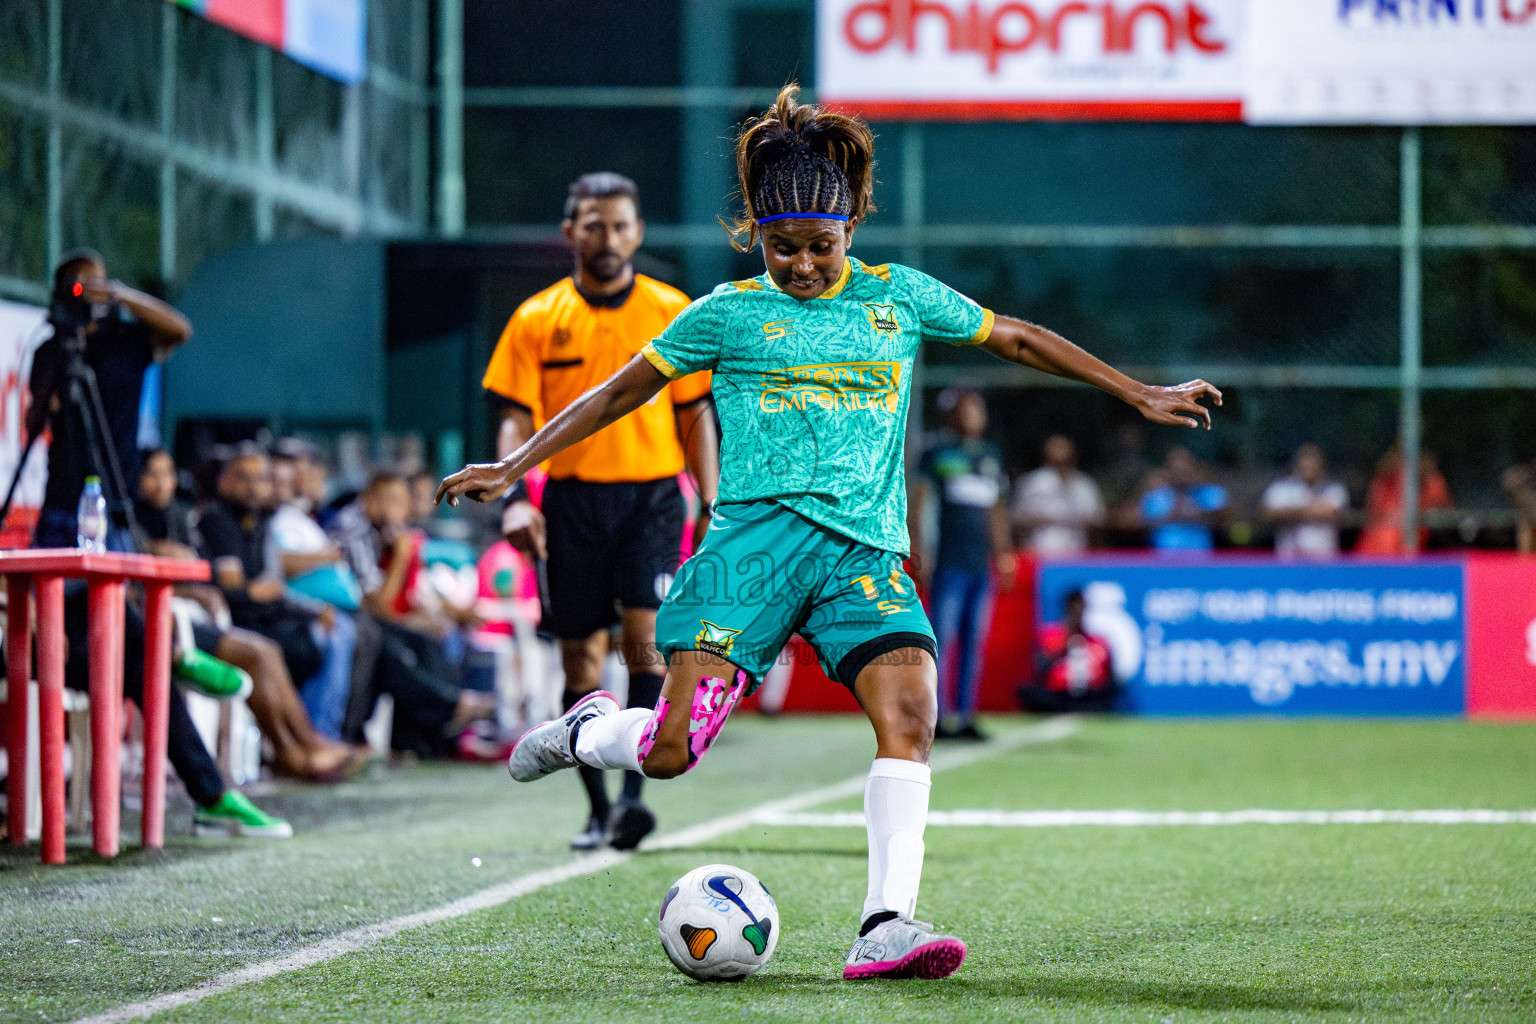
484	481
701	527
1179	405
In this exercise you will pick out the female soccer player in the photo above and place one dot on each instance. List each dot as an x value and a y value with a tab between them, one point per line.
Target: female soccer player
812	364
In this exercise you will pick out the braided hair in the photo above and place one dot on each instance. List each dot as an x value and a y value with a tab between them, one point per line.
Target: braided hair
799	158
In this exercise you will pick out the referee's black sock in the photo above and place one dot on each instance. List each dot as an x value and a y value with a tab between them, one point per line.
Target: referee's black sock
591	778
644	692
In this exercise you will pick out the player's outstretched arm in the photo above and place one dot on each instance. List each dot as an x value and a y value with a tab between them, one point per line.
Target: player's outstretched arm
1029	345
612	400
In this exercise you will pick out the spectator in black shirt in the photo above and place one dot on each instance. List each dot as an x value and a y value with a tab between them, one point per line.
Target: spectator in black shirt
316	641
167	520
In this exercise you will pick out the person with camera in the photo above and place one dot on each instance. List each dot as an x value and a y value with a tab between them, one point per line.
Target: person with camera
120	332
117	333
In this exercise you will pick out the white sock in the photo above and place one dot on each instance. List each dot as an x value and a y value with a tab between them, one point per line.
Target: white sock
613	741
895	811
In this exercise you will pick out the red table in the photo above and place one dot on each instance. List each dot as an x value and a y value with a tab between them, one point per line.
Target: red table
44	572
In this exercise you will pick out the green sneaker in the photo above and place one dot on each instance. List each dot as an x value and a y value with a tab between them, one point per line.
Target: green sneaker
207	675
235	815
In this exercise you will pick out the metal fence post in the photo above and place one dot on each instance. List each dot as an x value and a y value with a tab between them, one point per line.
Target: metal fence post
55	221
168	30
266	143
1409	425
450	118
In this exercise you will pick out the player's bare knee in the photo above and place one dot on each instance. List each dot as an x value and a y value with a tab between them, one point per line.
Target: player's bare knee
905	721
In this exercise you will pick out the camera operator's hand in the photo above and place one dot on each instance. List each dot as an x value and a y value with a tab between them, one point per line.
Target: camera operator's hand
100	291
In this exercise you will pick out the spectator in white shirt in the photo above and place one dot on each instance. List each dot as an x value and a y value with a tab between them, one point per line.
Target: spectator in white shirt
1054	505
1305	507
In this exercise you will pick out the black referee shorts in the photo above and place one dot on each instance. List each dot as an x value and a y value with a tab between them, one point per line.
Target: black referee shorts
611	546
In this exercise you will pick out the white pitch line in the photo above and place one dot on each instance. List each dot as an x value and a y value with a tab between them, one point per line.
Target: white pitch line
370	935
1143	819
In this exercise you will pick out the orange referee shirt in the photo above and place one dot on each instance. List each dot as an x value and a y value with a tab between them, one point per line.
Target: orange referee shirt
557	346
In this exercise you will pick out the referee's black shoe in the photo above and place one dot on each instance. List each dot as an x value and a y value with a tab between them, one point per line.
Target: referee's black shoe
628	823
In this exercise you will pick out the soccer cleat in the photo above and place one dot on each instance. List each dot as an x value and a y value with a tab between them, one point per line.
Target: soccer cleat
235	815
904	948
591	837
629	823
550	747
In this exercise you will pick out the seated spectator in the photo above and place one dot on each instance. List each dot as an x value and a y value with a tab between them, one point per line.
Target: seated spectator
385	555
298	750
1054	505
1075	672
1182	506
316	642
1520	485
400	645
305	556
165	518
1383	532
1305	507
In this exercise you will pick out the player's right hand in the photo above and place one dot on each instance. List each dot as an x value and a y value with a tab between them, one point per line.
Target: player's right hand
523	526
482	481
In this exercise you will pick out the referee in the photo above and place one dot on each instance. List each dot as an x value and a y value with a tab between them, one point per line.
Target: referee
613	514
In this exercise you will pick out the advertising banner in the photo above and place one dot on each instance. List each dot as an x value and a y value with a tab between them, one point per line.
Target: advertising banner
21	331
1044	59
1224	638
327	35
1390	62
1501	636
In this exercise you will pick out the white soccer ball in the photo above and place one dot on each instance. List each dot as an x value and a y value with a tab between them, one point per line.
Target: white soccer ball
718	923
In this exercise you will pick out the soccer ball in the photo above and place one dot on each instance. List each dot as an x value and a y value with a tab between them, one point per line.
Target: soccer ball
718	923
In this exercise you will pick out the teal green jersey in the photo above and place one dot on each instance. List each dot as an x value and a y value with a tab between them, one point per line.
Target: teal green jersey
813	394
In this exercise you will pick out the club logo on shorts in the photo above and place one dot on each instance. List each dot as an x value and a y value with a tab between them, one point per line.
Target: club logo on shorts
716	639
883	318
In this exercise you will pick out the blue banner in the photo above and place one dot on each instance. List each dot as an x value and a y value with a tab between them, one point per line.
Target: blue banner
1220	638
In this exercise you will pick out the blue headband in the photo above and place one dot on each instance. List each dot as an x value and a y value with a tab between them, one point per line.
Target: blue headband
809	216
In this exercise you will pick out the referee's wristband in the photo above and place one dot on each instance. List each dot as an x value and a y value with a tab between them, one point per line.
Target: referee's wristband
519	492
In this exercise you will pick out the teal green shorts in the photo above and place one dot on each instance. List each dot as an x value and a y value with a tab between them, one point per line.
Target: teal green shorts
765	572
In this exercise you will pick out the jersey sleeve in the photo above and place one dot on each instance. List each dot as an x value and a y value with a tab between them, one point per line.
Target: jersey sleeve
513	372
690	344
946	315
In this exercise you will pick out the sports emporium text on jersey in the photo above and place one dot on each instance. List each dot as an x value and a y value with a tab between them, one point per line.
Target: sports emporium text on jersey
832	386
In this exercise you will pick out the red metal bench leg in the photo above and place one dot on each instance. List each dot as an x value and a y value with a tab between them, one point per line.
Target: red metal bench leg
106	632
50	712
18	670
156	709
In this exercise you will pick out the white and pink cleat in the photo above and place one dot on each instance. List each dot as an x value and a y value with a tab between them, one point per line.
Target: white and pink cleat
904	948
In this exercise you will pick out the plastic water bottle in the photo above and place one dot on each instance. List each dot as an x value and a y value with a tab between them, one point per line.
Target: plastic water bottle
91	517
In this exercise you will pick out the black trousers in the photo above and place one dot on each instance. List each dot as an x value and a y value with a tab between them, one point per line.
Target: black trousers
413	670
194	765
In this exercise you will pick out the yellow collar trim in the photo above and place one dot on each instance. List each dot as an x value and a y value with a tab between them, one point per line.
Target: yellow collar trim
842	280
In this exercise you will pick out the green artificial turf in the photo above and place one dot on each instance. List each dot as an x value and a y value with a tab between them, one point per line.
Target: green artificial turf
1305	922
